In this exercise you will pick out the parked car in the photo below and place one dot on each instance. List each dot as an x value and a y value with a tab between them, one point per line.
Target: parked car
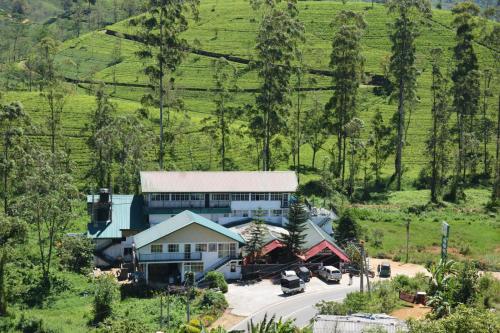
330	273
288	273
292	284
384	270
303	273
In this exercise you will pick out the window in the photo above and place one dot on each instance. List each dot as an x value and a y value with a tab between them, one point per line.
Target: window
197	196
127	251
284	200
220	196
195	267
160	197
233	266
240	196
201	247
212	247
226	249
156	248
173	247
277	212
240	213
276	196
260	196
180	196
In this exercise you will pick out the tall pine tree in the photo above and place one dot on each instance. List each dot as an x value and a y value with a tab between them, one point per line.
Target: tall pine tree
466	88
277	48
405	30
437	144
296	227
164	50
347	63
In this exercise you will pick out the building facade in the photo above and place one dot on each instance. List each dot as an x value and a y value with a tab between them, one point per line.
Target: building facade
223	197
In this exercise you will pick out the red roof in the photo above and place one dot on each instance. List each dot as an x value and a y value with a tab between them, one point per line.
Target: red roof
272	245
323	245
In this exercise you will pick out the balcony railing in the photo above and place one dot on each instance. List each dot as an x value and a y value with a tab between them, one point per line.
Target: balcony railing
177	256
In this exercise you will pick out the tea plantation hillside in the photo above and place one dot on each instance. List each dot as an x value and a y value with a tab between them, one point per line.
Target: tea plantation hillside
229	28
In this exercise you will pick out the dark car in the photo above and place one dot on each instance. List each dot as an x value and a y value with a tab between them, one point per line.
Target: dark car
304	273
384	270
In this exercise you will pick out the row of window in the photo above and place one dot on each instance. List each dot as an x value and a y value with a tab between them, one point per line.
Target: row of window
222	248
257	213
273	196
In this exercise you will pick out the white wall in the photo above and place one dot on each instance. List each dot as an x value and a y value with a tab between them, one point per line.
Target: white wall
255	205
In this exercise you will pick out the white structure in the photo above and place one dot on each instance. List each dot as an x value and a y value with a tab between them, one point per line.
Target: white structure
223	197
185	243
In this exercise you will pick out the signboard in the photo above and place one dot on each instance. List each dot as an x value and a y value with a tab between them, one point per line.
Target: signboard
444	240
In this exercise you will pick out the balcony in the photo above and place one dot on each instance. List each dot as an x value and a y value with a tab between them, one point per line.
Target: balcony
177	256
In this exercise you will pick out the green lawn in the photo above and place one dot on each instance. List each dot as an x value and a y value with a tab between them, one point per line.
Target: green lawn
474	233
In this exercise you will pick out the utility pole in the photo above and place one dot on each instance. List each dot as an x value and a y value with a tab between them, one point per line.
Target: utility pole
361	269
407	237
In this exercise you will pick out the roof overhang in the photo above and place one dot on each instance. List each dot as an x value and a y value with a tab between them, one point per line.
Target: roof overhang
325	245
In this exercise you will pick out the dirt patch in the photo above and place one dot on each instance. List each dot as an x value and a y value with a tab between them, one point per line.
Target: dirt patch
227	320
451	250
415	311
399	268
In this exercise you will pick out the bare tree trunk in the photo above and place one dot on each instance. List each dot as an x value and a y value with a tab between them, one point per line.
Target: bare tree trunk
3	300
434	196
401	122
161	91
496	188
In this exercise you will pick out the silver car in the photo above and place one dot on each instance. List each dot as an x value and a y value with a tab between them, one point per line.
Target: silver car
330	273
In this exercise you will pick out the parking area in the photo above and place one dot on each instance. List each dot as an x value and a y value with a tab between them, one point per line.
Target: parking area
245	300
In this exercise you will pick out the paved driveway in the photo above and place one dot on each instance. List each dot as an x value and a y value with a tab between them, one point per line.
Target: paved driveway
257	300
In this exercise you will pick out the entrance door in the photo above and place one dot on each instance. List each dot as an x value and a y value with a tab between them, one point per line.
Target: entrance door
187	251
207	200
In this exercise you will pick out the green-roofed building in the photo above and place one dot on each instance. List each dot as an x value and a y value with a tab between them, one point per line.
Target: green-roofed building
184	243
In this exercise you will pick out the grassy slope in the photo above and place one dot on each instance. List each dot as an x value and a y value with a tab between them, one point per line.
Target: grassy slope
474	233
232	30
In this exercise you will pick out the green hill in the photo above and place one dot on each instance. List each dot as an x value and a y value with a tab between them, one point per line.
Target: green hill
229	28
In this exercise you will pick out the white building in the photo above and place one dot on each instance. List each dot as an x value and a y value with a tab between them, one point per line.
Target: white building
224	197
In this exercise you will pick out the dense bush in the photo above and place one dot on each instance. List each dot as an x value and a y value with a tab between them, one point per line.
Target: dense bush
463	319
216	280
76	254
32	325
411	285
105	293
213	300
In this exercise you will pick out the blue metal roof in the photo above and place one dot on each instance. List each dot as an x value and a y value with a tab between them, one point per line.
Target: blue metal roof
180	221
127	213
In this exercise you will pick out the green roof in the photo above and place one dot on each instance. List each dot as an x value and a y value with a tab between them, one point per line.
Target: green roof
180	221
126	214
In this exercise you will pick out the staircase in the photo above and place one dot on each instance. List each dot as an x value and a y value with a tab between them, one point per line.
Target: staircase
99	253
218	264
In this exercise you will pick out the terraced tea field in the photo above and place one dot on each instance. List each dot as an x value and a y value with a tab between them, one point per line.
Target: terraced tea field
229	28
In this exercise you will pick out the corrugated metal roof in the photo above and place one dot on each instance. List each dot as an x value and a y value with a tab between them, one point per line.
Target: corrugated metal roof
180	221
314	234
358	323
218	181
126	214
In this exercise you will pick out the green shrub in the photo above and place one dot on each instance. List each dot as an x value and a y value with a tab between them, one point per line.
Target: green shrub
216	280
213	300
76	254
105	293
32	325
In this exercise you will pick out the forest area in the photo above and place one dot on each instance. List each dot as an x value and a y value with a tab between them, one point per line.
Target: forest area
388	112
